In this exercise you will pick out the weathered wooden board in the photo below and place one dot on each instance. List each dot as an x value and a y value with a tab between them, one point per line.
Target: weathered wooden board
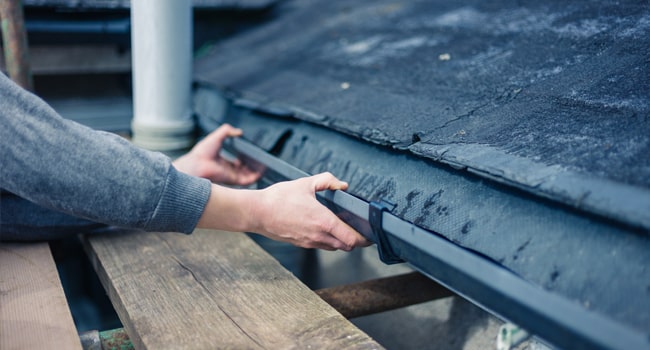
77	59
34	313
211	290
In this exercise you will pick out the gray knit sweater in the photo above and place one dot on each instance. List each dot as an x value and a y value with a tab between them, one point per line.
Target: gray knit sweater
58	177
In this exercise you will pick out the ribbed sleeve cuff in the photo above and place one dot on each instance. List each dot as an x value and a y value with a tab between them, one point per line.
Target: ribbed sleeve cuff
181	203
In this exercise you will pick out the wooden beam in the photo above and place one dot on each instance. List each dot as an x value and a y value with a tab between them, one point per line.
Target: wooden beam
14	37
383	294
34	313
77	59
211	290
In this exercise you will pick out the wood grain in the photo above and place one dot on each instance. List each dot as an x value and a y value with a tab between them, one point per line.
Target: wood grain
34	313
212	290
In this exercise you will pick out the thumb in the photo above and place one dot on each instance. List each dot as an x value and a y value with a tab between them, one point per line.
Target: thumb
327	181
212	143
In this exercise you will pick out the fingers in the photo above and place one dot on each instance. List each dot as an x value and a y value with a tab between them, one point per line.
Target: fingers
225	131
346	235
205	160
327	181
215	139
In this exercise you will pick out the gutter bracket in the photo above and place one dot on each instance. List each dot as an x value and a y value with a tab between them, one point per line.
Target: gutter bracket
375	218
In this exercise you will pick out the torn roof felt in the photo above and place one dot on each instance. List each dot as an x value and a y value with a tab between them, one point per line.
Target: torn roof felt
551	97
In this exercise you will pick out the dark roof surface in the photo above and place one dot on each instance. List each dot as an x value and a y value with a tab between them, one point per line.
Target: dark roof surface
552	97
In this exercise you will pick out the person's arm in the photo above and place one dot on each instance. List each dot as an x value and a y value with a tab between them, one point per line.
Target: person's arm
64	166
97	176
287	211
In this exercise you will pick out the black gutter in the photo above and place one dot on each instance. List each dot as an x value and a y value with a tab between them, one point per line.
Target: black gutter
478	279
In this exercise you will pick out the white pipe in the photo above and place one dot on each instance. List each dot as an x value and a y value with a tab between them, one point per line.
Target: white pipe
161	41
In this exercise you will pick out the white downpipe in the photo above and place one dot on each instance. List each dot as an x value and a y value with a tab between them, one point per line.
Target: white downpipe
161	37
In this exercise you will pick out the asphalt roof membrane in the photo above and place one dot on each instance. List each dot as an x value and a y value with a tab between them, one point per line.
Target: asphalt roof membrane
518	130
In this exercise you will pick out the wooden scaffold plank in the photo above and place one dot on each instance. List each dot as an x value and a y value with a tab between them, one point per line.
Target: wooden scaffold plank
34	313
213	289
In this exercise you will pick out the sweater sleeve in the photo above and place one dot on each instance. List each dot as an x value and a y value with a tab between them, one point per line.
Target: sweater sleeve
98	176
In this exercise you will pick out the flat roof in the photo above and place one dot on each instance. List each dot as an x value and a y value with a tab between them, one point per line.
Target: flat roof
518	131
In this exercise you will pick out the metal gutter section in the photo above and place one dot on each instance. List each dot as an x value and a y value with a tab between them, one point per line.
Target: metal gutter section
596	268
553	318
594	263
548	315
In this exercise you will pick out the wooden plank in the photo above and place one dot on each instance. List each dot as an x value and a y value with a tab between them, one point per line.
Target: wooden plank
34	313
383	294
77	59
210	290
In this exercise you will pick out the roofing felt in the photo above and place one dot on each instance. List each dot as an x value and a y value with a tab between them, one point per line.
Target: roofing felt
556	249
550	96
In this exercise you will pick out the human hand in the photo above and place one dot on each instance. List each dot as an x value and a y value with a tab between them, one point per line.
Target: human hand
205	161
290	212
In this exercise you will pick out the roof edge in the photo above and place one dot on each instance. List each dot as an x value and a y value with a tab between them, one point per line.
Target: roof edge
616	201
